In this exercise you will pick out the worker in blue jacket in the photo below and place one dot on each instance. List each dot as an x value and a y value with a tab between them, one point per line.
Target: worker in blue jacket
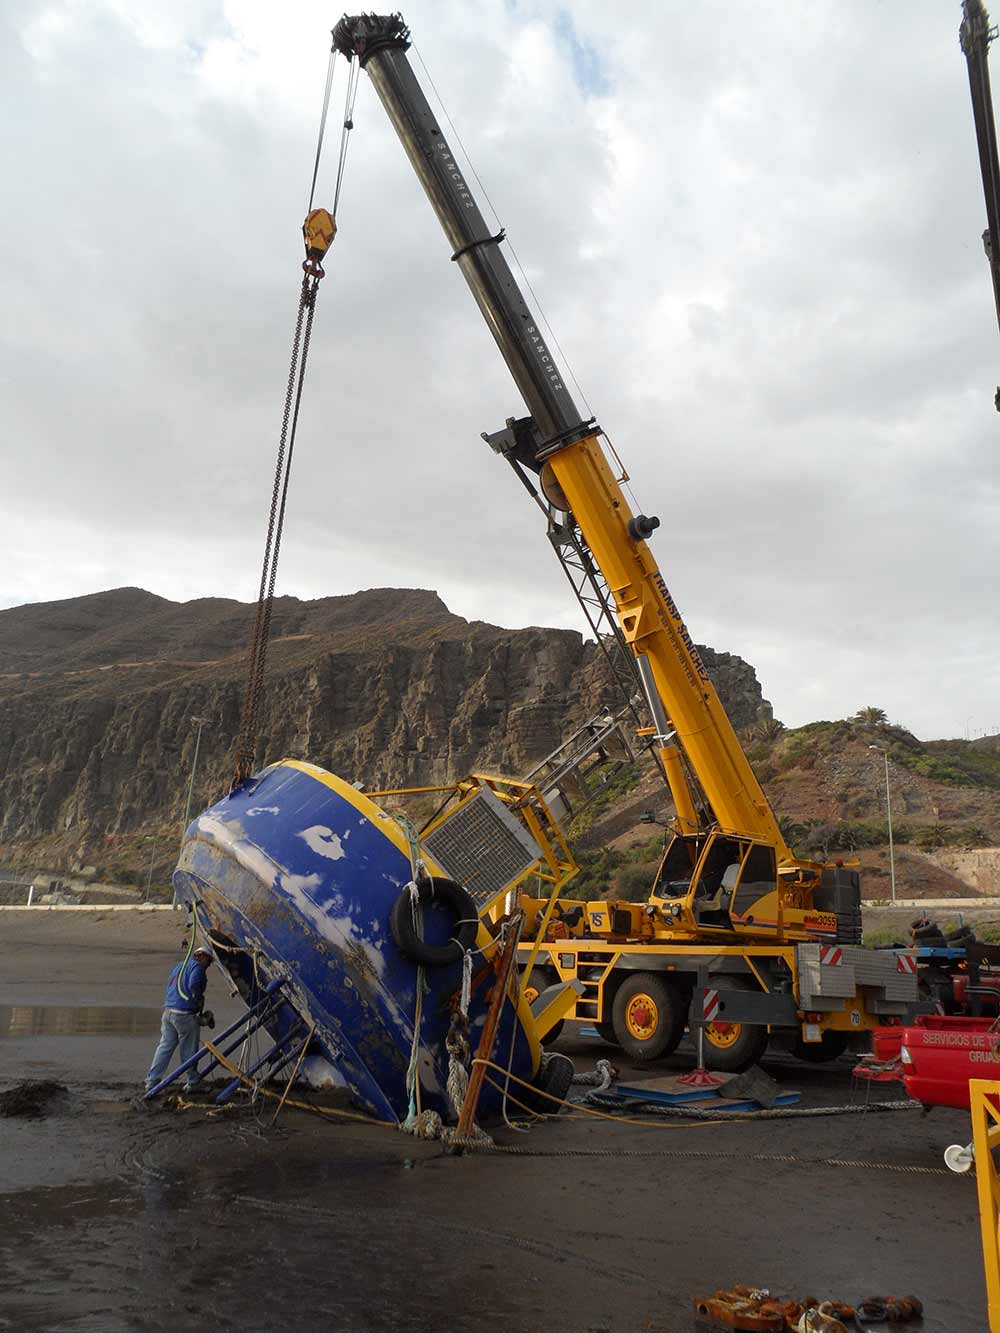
182	1006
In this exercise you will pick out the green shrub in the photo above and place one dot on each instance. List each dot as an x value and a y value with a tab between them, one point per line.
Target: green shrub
932	837
885	935
634	882
619	784
596	871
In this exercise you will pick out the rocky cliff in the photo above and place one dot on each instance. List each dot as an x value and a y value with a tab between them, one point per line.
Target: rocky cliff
97	697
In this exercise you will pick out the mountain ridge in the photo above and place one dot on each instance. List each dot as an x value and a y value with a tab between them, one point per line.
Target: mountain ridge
388	686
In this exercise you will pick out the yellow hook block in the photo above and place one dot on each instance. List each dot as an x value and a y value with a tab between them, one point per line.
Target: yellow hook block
318	231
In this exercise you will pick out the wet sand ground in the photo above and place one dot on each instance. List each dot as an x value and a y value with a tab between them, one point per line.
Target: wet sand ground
116	1219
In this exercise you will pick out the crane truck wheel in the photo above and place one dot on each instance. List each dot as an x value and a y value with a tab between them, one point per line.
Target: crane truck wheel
733	1047
532	986
647	1016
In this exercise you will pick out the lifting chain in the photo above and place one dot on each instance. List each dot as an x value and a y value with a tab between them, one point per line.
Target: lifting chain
318	231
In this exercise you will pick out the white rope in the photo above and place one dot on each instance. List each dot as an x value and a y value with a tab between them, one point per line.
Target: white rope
600	1079
416	1119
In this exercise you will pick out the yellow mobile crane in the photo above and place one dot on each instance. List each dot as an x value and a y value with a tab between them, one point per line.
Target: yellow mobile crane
738	933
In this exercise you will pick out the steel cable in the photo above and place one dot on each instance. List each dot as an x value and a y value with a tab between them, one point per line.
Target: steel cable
246	746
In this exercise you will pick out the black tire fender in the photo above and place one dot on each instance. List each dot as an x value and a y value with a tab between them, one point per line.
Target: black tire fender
554	1078
450	894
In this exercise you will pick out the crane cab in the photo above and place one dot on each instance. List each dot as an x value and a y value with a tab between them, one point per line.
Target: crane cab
717	882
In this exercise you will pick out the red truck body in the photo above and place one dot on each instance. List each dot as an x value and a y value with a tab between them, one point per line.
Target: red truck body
940	1053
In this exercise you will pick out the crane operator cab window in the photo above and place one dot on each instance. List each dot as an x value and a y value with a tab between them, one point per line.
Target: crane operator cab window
677	867
704	870
718	872
758	881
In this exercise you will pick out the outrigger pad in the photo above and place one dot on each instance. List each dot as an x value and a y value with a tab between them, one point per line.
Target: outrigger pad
752	1085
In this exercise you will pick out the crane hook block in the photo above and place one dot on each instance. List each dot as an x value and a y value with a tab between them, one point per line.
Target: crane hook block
318	231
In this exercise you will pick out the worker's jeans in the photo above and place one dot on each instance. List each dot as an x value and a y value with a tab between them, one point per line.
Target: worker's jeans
175	1030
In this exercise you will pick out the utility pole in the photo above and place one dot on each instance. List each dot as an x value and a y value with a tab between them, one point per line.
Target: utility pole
888	814
200	722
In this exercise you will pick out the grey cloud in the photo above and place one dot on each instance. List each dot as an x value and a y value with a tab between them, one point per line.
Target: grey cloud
759	246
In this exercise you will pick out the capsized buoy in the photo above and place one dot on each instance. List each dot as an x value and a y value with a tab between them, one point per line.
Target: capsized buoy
294	876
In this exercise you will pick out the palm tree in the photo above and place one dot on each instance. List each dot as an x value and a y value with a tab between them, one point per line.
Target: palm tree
871	717
767	729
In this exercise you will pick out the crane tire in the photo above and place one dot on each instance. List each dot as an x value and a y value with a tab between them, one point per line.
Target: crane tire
927	933
733	1047
962	935
440	890
538	981
741	1050
648	1016
554	1077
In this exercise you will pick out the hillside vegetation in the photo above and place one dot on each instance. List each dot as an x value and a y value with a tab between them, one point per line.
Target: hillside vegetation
99	697
827	786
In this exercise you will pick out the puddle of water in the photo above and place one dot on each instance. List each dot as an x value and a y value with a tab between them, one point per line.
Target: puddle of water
98	1020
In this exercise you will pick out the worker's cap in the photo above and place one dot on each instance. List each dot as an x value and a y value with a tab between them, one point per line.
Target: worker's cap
205	953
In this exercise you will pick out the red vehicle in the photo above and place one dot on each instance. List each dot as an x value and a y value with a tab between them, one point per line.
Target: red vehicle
963	980
941	1052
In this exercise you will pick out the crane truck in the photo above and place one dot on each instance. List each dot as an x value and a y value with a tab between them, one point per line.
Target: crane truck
739	935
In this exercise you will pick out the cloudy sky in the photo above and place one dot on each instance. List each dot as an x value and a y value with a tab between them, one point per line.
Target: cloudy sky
755	231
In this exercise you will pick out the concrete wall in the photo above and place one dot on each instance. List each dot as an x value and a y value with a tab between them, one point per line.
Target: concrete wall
980	869
943	910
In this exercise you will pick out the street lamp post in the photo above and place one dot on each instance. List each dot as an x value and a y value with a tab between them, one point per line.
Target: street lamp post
888	815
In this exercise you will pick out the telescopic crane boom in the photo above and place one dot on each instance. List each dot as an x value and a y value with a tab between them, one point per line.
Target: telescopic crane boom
565	450
975	35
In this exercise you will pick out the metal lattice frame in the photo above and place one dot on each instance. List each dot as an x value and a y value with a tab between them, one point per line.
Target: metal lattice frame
594	595
597	603
483	846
